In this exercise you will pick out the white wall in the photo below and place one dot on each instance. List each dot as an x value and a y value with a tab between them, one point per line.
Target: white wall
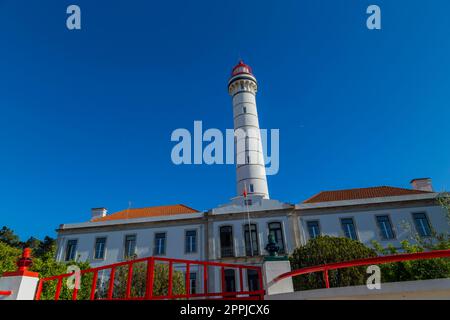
175	243
366	225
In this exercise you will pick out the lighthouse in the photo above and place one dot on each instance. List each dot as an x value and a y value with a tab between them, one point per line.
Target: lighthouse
250	167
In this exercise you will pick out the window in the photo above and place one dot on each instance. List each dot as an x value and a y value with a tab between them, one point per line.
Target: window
277	231
248	202
244	109
384	224
251	240
191	241
71	250
313	229
160	244
99	250
252	188
349	228
226	241
193	282
422	224
252	280
230	280
130	246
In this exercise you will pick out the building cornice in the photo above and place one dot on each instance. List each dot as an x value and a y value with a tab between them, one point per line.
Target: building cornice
179	219
367	204
343	203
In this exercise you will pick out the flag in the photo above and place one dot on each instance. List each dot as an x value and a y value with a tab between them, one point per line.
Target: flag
245	191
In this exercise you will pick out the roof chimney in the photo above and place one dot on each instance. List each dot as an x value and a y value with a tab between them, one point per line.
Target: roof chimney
98	213
423	184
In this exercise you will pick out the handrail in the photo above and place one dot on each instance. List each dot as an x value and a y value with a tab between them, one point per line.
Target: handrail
363	262
151	261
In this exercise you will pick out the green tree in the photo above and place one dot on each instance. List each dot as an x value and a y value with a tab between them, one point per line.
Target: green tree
325	250
8	257
444	200
9	237
32	243
45	246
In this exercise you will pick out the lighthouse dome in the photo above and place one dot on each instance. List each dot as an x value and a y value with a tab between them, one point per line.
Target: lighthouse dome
241	68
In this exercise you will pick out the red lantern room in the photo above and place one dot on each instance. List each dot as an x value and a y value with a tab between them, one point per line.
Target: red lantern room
240	68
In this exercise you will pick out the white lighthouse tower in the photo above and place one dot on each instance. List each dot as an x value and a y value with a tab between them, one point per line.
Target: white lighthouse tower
250	167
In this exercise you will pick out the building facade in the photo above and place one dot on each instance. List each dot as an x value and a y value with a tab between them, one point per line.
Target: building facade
237	232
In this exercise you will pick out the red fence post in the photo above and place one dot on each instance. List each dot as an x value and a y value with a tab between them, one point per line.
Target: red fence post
74	293
24	290
188	280
111	283
327	280
129	279
94	285
39	290
58	288
205	278
150	269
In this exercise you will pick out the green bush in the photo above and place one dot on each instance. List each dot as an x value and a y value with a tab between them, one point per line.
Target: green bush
46	266
8	257
325	250
416	269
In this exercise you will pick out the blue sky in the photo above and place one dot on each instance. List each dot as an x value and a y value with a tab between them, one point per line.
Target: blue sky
86	116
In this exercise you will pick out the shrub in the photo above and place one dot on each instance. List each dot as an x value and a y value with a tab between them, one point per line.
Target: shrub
8	257
47	267
324	250
416	269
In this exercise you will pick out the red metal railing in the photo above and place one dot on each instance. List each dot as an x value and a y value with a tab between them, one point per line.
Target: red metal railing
364	262
149	294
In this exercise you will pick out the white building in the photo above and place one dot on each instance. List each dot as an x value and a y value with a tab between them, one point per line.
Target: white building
237	232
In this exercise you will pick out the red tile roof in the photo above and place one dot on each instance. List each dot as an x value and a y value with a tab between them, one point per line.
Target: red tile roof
135	213
362	193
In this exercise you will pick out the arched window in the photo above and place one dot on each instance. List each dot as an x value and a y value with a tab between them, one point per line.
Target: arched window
276	229
226	241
